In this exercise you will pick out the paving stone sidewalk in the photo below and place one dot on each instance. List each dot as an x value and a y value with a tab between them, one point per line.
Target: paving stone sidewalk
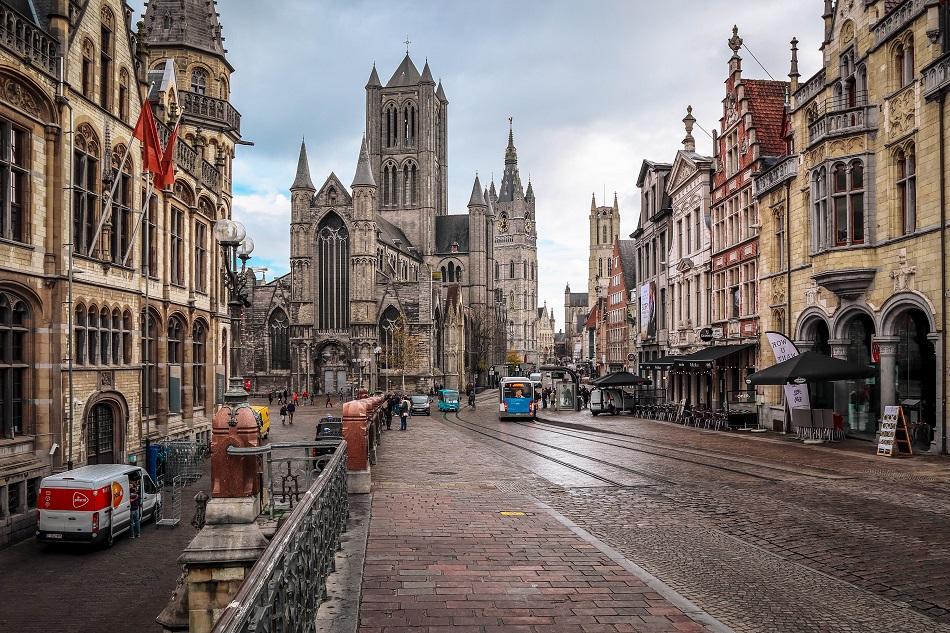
454	547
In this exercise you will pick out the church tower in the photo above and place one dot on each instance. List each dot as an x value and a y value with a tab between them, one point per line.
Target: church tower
406	138
478	247
604	228
363	259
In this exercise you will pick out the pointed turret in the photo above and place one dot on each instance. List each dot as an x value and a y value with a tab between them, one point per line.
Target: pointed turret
440	93
374	79
406	75
529	192
426	75
302	181
488	202
492	192
593	201
364	171
616	206
477	199
184	23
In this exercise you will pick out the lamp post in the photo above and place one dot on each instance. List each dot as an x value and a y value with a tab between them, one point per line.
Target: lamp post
376	352
232	236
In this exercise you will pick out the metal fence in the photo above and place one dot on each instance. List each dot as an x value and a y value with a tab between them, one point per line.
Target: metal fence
283	590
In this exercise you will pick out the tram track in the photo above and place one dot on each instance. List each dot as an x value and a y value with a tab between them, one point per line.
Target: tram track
658	445
465	424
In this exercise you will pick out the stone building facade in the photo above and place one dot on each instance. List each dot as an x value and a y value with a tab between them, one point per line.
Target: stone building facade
576	307
387	289
619	303
604	229
101	302
855	219
546	327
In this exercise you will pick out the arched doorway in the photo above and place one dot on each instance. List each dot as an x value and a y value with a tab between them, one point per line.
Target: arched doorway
859	401
101	434
816	331
915	371
331	361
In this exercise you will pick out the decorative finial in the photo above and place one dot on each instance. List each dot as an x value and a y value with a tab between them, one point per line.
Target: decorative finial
407	43
793	70
689	143
735	42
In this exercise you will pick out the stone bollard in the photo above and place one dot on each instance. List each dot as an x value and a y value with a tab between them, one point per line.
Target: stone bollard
358	480
219	557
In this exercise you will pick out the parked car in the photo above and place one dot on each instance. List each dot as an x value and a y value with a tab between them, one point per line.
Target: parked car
419	404
600	399
263	420
91	504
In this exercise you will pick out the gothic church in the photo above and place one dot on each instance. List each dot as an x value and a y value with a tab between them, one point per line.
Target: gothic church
386	289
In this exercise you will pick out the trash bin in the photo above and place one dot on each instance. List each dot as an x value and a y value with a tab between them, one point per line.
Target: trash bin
151	461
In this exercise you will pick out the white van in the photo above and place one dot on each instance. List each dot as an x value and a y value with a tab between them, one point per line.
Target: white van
600	400
91	504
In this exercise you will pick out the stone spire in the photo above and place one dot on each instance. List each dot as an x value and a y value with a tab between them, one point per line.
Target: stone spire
406	75
511	179
374	79
477	199
364	172
529	192
426	75
184	23
689	143
793	68
616	205
593	201
440	93
302	181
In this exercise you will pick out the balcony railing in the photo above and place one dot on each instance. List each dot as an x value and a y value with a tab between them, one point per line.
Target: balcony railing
896	20
784	170
936	77
187	158
839	123
19	35
211	109
809	89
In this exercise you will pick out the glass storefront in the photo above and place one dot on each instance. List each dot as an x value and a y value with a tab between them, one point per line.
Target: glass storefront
915	369
859	400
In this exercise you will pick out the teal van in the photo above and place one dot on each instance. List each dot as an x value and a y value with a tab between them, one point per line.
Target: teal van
449	400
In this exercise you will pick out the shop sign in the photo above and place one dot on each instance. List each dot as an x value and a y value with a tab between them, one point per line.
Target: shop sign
706	334
631	357
717	333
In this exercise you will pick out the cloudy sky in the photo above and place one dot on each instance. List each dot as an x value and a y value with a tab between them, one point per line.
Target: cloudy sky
594	88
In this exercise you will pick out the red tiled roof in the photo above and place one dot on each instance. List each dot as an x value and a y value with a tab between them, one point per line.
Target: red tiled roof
767	105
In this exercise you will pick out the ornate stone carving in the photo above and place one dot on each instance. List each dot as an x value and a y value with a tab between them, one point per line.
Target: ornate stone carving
900	112
903	272
20	97
812	293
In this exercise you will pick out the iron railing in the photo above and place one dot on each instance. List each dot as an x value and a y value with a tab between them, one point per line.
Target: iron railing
283	590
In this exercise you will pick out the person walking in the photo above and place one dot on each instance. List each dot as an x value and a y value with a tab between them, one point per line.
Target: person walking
135	505
329	400
306	396
283	414
296	398
389	413
404	414
270	397
290	411
471	399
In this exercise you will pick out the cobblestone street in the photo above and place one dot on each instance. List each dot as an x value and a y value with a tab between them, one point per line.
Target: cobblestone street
761	533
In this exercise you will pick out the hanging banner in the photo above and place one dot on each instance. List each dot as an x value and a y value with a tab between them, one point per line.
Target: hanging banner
648	309
784	349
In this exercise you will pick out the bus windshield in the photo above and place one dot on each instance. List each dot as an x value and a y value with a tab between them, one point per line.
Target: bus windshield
516	390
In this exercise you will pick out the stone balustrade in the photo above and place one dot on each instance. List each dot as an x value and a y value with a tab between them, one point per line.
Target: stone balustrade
208	108
19	35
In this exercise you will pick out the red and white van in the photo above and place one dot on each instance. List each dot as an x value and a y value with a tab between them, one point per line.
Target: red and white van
91	504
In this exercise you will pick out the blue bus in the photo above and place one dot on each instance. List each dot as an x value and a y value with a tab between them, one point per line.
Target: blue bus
516	399
449	400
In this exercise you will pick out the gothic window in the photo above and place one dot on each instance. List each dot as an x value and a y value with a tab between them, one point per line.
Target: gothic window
105	335
511	269
600	266
497	271
278	328
410	184
390	125
904	63
199	349
121	214
87	79
409	124
85	188
199	81
176	332
333	248
127	338
92	335
389	185
524	272
819	196
14	172
331	196
14	363
532	271
445	277
79	335
167	22
201	258
391	333
907	189
176	246
106	56
149	350
150	239
124	83
458	274
848	202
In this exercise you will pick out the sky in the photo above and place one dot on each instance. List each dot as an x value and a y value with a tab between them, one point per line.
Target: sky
594	88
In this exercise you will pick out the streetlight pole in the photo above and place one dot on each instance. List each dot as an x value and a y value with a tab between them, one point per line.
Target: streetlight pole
232	236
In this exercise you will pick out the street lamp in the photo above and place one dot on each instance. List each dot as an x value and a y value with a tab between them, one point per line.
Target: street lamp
232	236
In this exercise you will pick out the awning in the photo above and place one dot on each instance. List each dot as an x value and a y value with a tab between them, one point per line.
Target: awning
664	362
710	355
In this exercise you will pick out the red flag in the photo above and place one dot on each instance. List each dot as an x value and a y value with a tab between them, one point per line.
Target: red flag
166	175
146	132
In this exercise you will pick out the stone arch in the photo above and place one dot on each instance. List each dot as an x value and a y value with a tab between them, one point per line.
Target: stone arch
900	302
807	321
844	316
26	96
184	193
105	417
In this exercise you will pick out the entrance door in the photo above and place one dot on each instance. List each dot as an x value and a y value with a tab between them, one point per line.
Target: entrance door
329	381
100	429
340	379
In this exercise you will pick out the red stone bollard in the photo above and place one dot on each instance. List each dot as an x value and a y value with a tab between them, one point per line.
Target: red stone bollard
233	476
354	432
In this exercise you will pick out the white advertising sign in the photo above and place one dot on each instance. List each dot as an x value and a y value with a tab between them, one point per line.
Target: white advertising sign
784	349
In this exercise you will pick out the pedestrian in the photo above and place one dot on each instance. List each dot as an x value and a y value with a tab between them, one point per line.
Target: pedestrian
329	401
283	414
270	397
389	413
306	396
404	414
610	404
312	396
296	398
290	412
471	399
135	505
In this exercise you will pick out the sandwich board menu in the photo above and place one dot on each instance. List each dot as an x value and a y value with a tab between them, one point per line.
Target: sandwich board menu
893	432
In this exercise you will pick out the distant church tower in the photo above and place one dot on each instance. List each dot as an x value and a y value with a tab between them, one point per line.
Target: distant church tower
604	228
406	138
516	254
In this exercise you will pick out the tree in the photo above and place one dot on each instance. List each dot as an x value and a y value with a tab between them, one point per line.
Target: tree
512	358
485	339
404	350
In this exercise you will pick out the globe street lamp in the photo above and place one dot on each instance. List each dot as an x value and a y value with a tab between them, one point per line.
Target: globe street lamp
232	236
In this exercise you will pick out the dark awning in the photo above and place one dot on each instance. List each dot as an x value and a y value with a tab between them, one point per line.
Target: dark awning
664	362
710	355
619	379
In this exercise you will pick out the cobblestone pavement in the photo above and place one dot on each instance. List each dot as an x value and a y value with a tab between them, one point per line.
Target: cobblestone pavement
442	555
77	589
764	534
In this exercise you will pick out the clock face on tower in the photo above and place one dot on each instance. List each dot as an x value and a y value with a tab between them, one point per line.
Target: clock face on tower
503	225
528	226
